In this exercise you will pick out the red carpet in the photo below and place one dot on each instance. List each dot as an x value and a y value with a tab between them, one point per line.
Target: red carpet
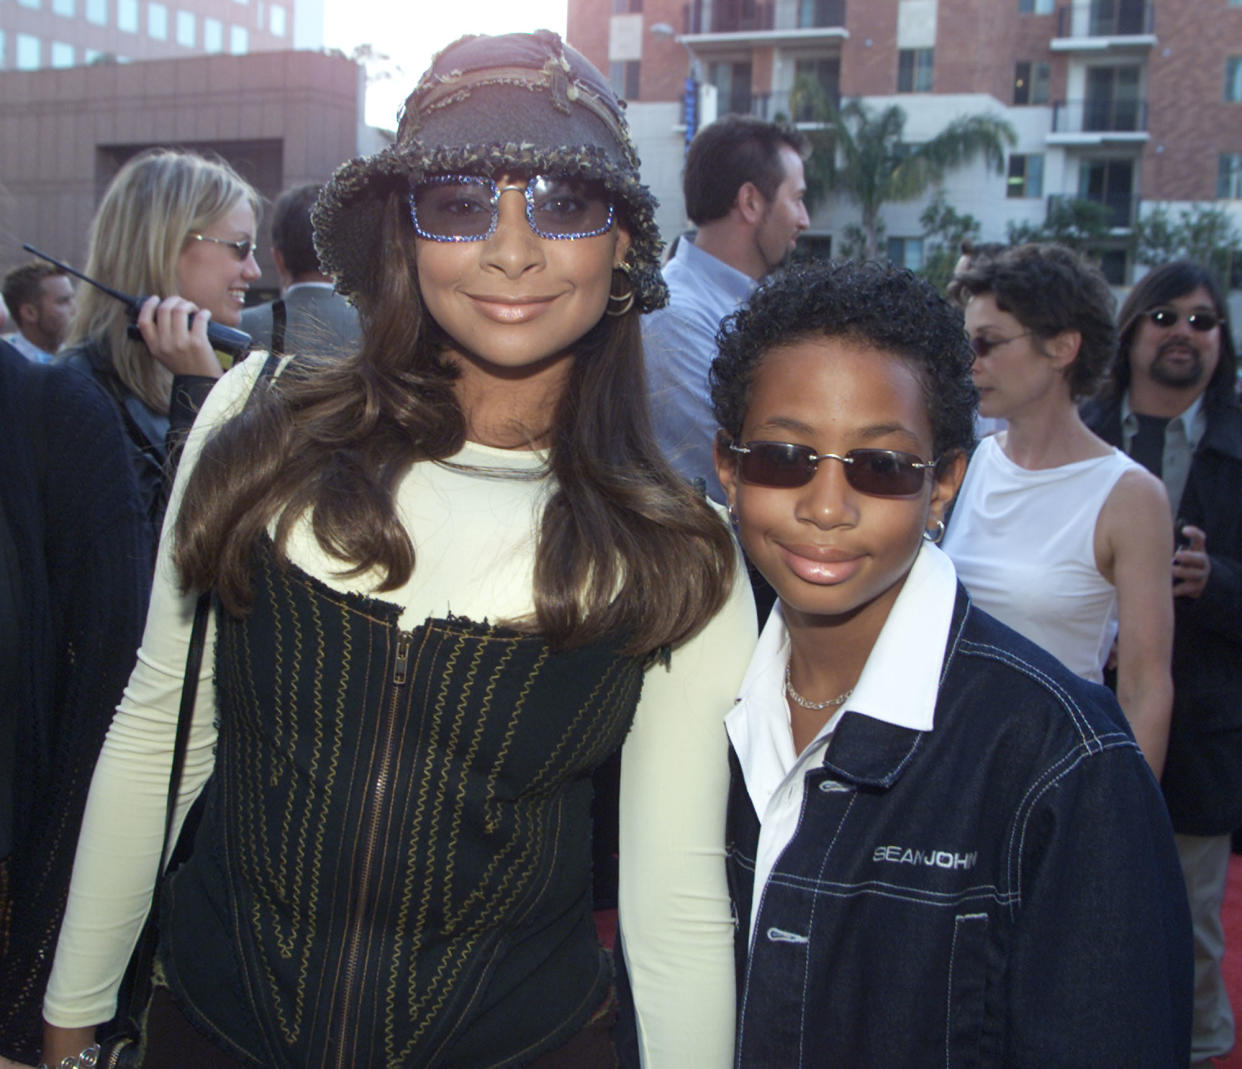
1233	953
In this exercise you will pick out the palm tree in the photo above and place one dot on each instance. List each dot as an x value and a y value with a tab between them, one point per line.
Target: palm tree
864	156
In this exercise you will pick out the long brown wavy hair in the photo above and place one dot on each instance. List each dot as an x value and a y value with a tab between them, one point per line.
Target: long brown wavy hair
626	550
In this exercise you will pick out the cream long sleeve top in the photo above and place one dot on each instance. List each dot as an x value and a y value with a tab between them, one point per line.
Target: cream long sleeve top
473	523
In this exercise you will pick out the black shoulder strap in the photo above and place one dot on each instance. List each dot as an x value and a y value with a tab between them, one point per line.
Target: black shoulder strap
279	317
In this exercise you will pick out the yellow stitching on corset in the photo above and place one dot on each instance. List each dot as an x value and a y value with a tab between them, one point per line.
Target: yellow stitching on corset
491	822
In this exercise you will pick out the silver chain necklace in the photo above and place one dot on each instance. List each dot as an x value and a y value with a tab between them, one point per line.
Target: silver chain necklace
806	703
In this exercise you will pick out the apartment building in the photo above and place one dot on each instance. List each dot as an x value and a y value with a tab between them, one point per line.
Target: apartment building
1127	103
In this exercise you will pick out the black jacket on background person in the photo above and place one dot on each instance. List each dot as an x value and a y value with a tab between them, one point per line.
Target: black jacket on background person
74	580
155	440
1202	779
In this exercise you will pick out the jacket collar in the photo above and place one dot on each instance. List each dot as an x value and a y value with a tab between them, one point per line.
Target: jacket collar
893	703
868	752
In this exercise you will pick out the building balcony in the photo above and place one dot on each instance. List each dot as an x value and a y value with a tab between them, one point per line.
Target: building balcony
762	22
1122	208
1104	26
1099	121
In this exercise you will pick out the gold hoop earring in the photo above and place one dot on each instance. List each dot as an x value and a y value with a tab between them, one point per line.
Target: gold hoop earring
623	301
934	539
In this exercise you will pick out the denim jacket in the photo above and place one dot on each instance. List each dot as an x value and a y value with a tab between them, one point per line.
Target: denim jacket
1001	890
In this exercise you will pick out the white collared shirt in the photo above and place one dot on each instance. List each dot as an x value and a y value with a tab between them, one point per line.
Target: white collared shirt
898	685
28	349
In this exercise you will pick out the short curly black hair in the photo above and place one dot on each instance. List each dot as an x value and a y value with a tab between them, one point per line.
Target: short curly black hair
1050	289
868	303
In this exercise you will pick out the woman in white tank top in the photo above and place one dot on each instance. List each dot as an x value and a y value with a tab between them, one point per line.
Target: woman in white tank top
1056	533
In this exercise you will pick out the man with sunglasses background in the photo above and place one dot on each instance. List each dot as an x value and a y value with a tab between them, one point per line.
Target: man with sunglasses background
309	316
743	183
1173	407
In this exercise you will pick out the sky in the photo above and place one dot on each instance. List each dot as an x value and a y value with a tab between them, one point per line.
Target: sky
412	31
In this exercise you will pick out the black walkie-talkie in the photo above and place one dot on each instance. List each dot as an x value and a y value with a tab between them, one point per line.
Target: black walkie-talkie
227	340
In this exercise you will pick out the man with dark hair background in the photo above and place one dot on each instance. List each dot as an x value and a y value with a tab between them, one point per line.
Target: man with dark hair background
309	317
743	185
1173	407
41	305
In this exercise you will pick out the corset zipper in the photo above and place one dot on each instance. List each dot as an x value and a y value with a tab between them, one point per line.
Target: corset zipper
379	791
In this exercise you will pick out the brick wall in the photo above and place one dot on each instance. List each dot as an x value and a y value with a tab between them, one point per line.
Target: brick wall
1189	121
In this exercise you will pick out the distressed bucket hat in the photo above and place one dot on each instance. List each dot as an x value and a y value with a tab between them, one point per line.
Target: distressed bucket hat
516	102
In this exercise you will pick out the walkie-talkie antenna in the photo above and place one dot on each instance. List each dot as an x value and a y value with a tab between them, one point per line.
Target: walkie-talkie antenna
226	339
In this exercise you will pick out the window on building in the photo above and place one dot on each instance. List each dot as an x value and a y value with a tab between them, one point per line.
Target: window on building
914	70
1114	99
1233	79
732	82
825	75
1229	176
1026	175
213	35
1036	7
627	7
624	73
67	8
239	40
28	57
29	3
1031	83
2	50
157	21
62	54
97	12
127	15
813	247
908	252
813	14
1111	183
277	22
185	29
1112	264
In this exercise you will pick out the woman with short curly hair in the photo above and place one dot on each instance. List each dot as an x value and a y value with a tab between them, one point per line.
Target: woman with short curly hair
1055	532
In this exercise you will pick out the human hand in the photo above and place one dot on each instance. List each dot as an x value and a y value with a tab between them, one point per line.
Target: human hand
181	347
1191	564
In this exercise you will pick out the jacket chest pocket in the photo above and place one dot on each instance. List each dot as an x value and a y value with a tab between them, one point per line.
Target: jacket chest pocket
967	991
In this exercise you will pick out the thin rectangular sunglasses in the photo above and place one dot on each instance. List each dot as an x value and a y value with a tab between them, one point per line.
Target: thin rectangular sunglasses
461	207
880	472
1199	321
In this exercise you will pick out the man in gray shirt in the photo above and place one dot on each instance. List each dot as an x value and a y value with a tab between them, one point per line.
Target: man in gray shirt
743	185
309	317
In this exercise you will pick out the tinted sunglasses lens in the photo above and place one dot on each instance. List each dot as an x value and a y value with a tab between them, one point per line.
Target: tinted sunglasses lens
1202	321
776	464
563	207
455	209
884	473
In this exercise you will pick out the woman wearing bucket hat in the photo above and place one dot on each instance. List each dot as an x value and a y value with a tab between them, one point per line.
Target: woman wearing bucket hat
451	575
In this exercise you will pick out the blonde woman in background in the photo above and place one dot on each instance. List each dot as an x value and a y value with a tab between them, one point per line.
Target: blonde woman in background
180	228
